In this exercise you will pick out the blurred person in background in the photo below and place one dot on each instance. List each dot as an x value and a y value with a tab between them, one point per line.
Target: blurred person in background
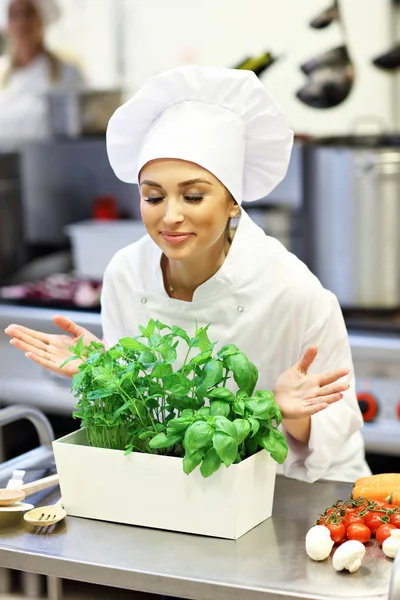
29	70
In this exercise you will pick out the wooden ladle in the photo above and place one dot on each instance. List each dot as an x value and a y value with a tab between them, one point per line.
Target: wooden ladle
11	497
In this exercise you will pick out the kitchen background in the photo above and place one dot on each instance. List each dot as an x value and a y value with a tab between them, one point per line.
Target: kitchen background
334	68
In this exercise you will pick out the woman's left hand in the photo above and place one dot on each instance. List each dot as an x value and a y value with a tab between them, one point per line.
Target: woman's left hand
300	394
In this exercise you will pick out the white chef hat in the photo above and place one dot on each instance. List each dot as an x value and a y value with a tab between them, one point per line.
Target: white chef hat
49	11
221	119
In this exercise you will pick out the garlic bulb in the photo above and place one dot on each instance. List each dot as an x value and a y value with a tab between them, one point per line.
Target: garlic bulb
349	556
319	542
392	543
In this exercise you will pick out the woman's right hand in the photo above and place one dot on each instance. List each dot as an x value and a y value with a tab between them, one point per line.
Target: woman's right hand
51	350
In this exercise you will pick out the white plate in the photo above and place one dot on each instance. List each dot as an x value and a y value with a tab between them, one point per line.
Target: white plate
18	507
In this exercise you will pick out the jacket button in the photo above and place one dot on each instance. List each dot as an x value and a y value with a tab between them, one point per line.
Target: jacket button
144	300
240	308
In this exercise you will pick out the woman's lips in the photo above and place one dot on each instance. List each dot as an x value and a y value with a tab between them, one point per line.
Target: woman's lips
175	238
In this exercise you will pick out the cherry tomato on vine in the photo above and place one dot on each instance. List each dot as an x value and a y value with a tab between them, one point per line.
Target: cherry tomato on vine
384	532
352	518
395	519
359	532
373	521
337	531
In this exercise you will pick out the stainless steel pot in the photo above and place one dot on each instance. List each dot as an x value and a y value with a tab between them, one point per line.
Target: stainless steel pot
12	246
353	208
72	114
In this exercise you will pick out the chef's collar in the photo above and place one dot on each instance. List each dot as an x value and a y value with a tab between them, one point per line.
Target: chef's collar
224	120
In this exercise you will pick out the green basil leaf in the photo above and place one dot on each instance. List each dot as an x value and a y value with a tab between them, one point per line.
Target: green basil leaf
226	447
255	426
92	359
145	435
78	379
122	408
177	384
191	461
146	357
101	393
280	452
239	407
221	393
188	412
79	346
265	438
253	378
211	463
219	408
262	404
228	350
68	361
243	373
160	326
161	370
179	424
149	330
168	353
163	441
204	411
156	340
241	395
226	426
178	331
197	436
211	375
243	429
204	342
251	446
200	359
132	344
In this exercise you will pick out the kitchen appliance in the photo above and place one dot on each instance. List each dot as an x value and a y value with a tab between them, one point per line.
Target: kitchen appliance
330	79
390	60
376	358
12	250
87	112
327	17
352	207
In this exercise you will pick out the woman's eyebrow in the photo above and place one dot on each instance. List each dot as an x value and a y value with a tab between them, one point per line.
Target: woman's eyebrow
182	184
151	183
192	181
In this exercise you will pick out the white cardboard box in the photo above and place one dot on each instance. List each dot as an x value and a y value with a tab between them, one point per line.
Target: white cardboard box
153	491
94	243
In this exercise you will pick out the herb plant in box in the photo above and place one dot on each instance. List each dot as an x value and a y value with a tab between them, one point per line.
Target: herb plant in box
132	399
149	418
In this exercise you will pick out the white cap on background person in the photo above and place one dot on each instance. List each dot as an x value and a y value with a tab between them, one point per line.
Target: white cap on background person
49	11
222	119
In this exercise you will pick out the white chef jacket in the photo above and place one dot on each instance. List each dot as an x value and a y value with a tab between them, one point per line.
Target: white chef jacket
23	108
267	302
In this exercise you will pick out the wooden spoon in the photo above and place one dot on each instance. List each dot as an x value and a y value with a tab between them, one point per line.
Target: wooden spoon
46	515
10	497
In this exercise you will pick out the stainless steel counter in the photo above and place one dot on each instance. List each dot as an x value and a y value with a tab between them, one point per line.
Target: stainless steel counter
267	563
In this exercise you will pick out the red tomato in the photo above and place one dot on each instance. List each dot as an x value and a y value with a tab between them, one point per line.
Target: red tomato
352	518
373	521
384	532
395	519
359	532
337	531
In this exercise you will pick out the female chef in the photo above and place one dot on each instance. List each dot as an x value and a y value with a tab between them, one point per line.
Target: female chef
29	69
198	141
